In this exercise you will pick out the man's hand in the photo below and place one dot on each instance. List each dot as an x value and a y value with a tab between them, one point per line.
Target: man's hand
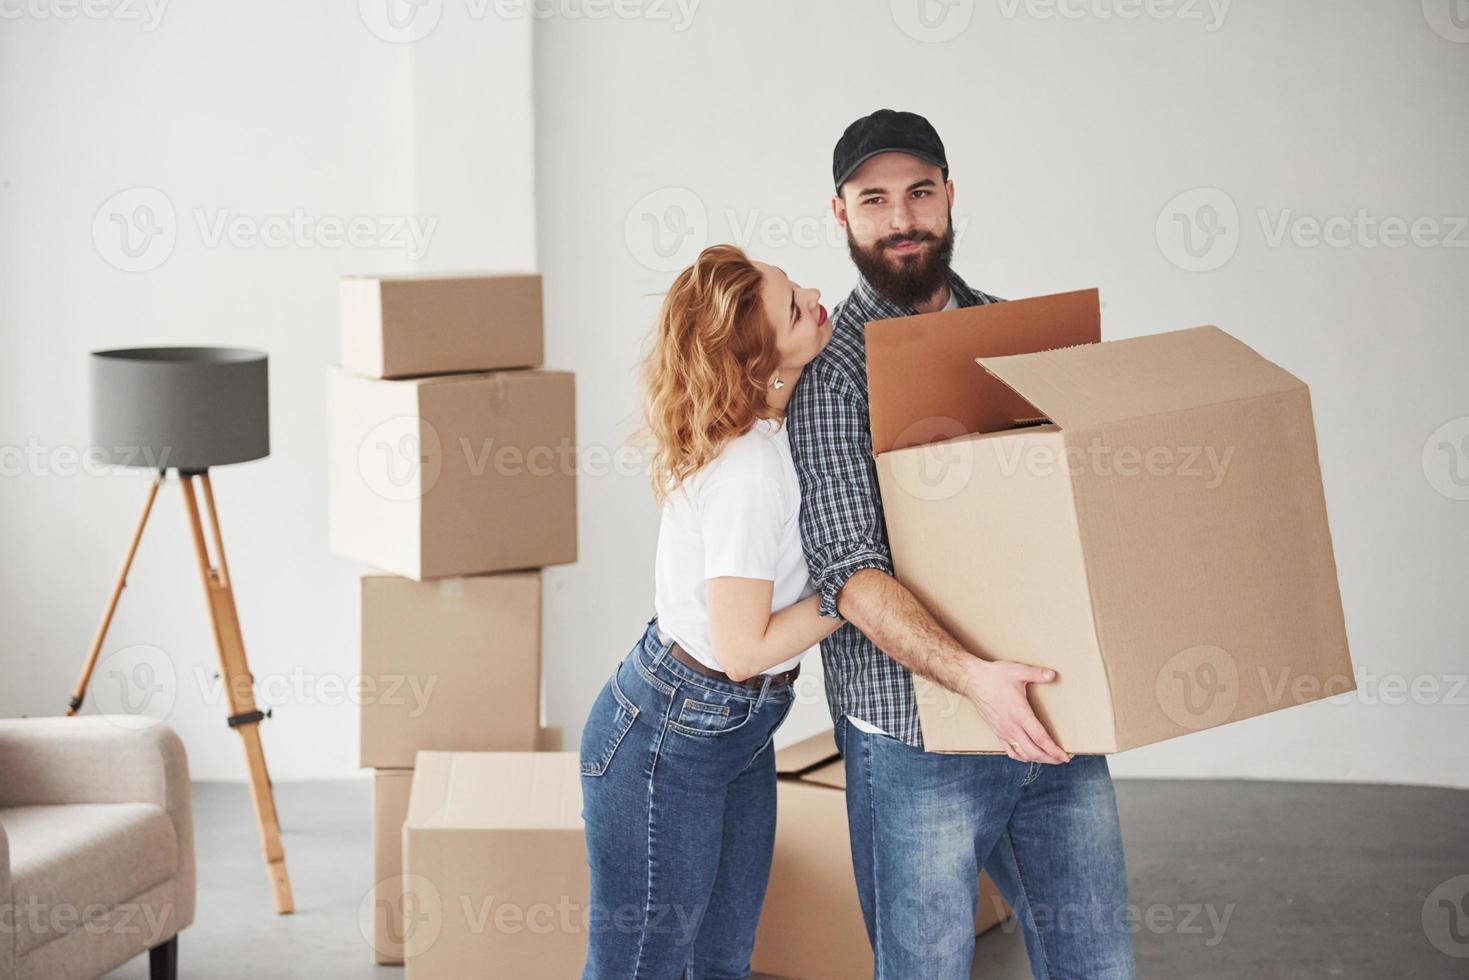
997	688
894	619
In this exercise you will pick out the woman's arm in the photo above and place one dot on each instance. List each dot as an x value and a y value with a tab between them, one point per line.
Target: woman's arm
748	638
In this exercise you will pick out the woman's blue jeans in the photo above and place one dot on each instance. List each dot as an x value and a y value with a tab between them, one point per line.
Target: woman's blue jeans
678	790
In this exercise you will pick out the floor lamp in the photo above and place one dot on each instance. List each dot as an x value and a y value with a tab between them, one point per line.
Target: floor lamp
192	408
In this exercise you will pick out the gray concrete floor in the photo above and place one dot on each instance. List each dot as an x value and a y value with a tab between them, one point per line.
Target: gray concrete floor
1317	880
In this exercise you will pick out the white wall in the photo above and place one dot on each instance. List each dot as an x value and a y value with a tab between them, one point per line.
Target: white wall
1067	136
249	112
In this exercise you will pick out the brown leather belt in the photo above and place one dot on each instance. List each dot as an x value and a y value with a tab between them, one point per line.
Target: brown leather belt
754	683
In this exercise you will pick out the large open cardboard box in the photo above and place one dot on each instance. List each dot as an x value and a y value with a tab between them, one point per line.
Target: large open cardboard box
1145	516
452	475
452	665
811	924
436	323
495	867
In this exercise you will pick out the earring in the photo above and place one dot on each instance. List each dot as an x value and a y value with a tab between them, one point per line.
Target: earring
777	384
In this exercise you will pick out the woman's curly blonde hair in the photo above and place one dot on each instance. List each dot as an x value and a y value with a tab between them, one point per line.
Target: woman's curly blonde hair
704	378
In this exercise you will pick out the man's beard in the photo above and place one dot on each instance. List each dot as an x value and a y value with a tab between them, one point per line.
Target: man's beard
905	280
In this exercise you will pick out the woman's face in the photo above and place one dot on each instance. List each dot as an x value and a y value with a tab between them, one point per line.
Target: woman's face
802	328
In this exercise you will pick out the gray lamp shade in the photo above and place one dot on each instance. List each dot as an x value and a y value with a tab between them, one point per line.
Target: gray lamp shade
189	407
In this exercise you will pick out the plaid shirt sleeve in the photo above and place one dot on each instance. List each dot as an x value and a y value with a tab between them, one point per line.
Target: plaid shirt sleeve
842	527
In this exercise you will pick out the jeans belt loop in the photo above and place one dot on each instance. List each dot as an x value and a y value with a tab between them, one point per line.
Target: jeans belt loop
764	689
665	643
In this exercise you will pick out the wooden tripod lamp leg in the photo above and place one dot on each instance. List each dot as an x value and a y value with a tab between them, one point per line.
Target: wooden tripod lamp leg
239	686
224	572
90	664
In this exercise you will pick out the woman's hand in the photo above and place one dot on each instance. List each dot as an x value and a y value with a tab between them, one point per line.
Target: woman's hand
748	638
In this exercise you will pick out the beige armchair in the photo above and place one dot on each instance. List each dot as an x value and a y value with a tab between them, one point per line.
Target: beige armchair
96	847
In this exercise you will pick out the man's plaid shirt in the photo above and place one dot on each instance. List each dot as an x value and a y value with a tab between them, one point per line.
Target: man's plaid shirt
842	527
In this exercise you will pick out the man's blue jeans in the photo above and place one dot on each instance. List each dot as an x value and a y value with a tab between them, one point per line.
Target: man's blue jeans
678	796
922	826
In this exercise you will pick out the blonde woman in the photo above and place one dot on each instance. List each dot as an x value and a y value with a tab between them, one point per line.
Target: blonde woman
678	772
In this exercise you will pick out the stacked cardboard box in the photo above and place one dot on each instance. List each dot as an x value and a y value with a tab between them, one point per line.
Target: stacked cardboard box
396	912
451	474
497	867
450	452
811	924
452	664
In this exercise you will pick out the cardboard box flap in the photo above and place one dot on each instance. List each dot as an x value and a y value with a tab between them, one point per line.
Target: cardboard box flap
921	380
1096	384
496	790
807	754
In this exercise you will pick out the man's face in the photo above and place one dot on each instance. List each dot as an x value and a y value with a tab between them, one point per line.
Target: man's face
896	210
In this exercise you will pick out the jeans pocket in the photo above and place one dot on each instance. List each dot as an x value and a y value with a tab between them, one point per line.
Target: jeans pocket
611	718
710	715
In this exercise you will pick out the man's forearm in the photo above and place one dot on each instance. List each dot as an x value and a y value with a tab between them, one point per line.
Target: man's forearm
901	627
893	618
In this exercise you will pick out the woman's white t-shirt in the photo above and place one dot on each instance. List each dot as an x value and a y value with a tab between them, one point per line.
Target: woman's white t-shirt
738	515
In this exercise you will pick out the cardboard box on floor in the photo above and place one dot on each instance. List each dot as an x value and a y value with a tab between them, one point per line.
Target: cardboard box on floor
811	925
390	789
1161	541
390	796
436	323
452	475
495	867
452	665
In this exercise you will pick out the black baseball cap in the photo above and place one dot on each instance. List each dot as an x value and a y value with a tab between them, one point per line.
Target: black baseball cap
886	130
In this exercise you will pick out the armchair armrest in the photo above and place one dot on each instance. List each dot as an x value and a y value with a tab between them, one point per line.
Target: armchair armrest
92	759
7	913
